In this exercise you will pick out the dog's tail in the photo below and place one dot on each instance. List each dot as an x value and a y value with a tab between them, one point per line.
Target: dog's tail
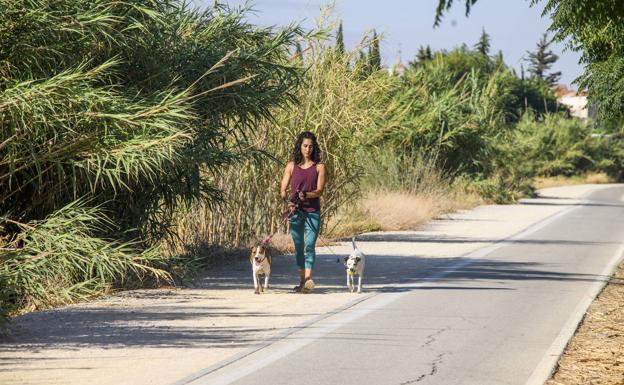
353	242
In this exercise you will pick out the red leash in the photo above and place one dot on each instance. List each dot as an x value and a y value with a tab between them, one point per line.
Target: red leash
285	216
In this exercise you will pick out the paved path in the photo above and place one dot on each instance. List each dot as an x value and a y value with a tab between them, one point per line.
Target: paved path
450	304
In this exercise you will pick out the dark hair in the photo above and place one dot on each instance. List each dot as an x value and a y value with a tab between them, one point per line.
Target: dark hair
316	151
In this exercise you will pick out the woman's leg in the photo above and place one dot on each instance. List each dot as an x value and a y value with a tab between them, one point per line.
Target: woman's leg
297	226
312	228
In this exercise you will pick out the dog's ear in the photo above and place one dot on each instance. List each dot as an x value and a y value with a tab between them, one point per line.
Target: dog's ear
357	259
345	258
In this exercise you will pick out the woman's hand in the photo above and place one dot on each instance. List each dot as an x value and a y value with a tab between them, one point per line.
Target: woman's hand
302	195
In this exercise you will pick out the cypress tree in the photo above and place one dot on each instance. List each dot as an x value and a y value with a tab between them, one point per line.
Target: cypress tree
483	46
374	55
541	60
340	48
421	55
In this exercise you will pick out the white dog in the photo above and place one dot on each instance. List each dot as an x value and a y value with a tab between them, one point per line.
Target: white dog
355	266
260	259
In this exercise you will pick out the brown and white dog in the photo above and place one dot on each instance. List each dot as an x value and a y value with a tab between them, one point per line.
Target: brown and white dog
260	259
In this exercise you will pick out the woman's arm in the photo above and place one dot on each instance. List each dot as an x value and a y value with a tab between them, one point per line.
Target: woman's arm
320	183
286	179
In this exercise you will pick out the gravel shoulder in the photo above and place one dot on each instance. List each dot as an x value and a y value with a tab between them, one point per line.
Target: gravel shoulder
161	336
595	355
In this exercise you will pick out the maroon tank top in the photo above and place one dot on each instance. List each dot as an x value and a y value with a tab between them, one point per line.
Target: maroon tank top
305	180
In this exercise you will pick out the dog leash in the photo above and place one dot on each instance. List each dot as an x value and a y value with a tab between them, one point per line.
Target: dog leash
288	214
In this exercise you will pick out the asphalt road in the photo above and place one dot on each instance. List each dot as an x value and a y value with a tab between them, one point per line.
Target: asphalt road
498	315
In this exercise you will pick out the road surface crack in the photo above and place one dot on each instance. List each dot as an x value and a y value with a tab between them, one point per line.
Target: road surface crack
433	337
434	370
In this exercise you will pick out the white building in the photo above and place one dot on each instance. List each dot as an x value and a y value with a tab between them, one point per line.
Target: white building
575	101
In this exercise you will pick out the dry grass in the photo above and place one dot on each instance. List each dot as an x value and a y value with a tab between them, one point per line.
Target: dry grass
399	210
282	244
595	355
555	181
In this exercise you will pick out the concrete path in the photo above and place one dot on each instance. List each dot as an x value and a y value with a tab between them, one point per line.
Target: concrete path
450	304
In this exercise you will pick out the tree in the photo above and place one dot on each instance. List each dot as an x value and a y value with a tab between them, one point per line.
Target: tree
594	28
374	55
422	55
483	46
541	60
340	48
445	5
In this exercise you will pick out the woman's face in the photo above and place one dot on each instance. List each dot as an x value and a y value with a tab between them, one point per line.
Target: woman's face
307	146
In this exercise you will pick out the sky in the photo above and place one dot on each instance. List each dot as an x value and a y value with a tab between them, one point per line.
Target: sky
514	27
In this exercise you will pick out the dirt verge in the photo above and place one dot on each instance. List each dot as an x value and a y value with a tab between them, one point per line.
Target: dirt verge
595	355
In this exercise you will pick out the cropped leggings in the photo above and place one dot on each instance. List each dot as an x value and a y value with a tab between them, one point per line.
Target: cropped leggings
308	224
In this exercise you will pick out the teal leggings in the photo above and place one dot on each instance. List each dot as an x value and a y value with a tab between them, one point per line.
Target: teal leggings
309	224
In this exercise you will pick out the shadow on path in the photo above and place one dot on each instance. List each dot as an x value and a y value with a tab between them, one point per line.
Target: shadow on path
112	327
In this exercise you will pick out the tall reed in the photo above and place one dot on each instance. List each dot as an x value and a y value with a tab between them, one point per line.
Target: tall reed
128	109
338	104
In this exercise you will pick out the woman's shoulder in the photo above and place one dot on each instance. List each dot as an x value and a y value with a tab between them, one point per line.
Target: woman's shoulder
290	166
320	166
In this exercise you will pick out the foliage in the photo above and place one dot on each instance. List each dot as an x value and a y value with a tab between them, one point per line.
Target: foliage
596	29
132	127
556	145
483	45
131	106
541	60
339	103
57	260
374	54
445	5
340	47
456	106
422	55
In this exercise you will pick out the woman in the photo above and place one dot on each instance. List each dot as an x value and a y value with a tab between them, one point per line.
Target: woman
306	175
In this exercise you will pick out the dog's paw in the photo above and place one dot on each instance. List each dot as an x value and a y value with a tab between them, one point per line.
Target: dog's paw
257	291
